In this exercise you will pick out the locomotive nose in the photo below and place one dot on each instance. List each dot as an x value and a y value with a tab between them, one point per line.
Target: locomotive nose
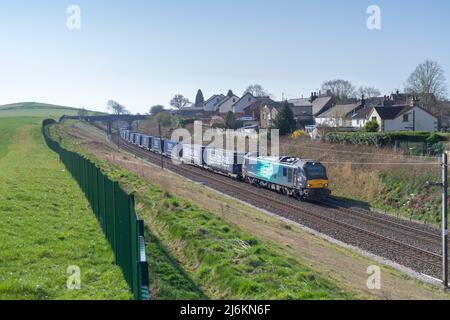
317	184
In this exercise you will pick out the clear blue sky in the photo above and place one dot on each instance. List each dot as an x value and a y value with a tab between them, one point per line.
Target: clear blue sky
141	53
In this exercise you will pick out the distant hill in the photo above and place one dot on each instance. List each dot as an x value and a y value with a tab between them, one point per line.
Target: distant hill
36	109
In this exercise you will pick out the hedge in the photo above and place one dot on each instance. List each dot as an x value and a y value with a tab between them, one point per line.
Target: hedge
381	139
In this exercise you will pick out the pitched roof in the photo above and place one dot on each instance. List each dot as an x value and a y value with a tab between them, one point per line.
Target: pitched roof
363	113
389	113
301	102
213	97
340	110
259	103
246	94
226	99
301	110
319	104
276	105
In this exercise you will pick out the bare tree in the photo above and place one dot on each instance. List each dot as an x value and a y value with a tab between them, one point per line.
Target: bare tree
117	108
179	102
428	82
256	90
342	90
368	92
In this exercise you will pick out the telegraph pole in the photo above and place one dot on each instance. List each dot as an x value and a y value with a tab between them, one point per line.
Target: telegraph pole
444	220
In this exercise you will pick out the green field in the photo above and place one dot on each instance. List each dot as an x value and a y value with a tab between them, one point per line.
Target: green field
34	109
46	224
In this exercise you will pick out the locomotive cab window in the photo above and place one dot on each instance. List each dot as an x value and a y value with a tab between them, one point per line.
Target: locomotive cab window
285	172
315	171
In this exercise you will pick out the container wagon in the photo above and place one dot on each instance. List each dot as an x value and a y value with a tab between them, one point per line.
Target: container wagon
224	161
172	149
193	154
157	145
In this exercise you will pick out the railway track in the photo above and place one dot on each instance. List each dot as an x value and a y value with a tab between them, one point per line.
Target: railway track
415	247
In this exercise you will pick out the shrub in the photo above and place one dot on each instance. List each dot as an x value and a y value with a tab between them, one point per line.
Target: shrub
181	123
372	126
298	134
381	139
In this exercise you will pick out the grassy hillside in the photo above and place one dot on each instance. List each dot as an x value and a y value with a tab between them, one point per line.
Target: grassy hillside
46	224
35	109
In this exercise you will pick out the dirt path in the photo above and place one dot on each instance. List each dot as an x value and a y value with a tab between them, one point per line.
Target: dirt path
345	266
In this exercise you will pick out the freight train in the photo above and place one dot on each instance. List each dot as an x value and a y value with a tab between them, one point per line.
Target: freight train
299	178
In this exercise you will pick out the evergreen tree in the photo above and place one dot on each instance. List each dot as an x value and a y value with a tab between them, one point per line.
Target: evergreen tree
230	120
230	93
284	121
199	99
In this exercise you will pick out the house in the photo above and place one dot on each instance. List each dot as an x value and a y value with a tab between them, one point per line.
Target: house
303	110
254	110
268	114
444	115
361	117
339	115
246	100
226	105
303	114
191	112
211	104
403	118
317	102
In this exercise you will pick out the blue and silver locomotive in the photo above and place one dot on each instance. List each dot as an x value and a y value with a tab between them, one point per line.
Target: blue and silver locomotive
303	179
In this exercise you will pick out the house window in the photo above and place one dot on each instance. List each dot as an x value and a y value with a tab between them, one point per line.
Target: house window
406	118
374	119
249	99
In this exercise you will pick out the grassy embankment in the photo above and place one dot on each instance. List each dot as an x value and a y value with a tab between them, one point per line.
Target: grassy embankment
377	177
46	224
190	250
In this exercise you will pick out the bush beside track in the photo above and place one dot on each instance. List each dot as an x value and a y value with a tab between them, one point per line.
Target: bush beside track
381	139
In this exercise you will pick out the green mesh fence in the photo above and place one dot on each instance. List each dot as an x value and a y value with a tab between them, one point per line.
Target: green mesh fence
115	212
